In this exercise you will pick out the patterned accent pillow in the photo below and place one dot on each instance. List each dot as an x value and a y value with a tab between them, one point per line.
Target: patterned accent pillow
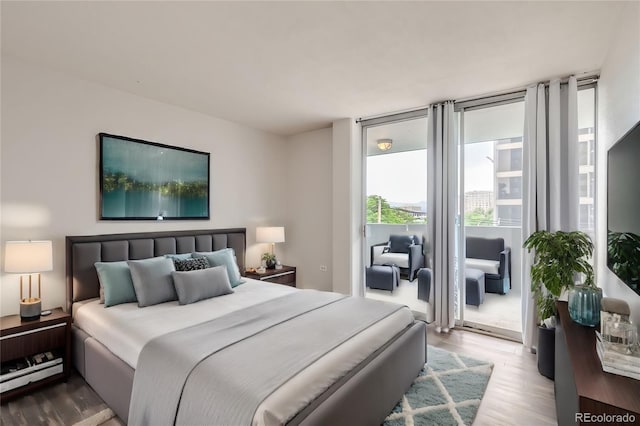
191	264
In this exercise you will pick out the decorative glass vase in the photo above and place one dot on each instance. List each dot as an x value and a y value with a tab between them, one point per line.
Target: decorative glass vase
584	305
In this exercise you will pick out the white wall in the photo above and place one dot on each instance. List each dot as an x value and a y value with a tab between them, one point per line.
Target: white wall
309	208
324	207
49	165
618	111
347	249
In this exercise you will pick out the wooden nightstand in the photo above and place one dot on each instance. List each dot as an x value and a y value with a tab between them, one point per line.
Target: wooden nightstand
286	276
20	339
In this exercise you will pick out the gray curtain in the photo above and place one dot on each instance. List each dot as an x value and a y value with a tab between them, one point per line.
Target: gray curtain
550	176
442	187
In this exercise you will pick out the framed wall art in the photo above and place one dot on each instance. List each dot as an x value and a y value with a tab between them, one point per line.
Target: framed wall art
141	180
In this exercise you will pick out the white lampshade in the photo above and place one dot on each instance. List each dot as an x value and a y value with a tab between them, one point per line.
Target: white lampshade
25	257
270	234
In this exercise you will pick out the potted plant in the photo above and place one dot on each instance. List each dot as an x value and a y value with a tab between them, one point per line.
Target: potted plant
270	260
559	256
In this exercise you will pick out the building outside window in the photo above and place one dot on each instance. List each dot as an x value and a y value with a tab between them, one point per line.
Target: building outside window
587	158
508	182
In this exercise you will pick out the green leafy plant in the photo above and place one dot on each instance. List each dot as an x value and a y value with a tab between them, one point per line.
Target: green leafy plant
269	260
559	256
387	214
479	217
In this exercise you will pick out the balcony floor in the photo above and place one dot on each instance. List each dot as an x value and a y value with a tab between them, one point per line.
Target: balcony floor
496	312
406	294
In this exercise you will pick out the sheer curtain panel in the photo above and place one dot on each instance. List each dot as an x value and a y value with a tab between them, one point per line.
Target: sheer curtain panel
550	176
441	141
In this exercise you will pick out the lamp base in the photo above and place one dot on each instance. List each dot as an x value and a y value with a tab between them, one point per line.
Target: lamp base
30	309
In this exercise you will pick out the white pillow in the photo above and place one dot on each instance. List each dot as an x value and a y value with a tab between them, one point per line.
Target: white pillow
486	266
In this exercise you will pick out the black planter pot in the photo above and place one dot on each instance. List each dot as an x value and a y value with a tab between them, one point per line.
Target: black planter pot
546	351
271	264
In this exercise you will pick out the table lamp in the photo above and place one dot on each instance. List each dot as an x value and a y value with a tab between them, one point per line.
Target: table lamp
28	258
272	235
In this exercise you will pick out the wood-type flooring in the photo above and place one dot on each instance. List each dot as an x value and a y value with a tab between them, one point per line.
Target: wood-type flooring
516	395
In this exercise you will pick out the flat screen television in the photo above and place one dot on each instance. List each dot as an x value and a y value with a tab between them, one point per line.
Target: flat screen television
623	208
141	180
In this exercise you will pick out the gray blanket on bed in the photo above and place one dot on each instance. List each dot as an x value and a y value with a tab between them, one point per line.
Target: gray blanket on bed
219	372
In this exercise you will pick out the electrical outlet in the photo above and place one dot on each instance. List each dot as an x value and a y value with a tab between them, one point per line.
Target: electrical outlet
323	268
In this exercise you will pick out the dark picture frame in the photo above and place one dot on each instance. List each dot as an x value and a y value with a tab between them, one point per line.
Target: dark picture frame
142	180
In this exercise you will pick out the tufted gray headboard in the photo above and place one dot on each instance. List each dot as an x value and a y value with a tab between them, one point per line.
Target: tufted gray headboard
83	251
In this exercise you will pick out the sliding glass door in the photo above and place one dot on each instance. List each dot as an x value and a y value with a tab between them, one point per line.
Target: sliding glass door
487	271
491	139
395	167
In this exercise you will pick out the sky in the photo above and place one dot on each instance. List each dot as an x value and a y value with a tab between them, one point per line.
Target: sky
399	176
478	171
402	177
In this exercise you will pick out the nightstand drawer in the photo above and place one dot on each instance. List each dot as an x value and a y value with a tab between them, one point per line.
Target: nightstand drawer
33	341
288	278
20	339
285	275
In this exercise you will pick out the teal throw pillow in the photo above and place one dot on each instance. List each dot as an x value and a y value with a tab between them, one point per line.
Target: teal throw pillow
225	257
182	256
115	280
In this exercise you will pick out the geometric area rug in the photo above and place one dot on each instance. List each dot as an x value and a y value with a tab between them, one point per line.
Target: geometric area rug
448	391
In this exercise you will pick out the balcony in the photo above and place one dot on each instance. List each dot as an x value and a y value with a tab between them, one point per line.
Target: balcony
499	313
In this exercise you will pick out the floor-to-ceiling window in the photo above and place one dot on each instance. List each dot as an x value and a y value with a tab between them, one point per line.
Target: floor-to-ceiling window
396	194
491	138
490	192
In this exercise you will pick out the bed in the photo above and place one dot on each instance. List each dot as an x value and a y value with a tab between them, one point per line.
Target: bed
367	375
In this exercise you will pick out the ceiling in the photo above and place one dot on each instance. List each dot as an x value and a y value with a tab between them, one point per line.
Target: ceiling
408	135
289	67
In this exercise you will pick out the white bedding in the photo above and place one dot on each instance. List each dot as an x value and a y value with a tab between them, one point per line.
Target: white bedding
125	329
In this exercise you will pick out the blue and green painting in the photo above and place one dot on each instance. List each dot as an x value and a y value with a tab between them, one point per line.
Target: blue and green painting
150	181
